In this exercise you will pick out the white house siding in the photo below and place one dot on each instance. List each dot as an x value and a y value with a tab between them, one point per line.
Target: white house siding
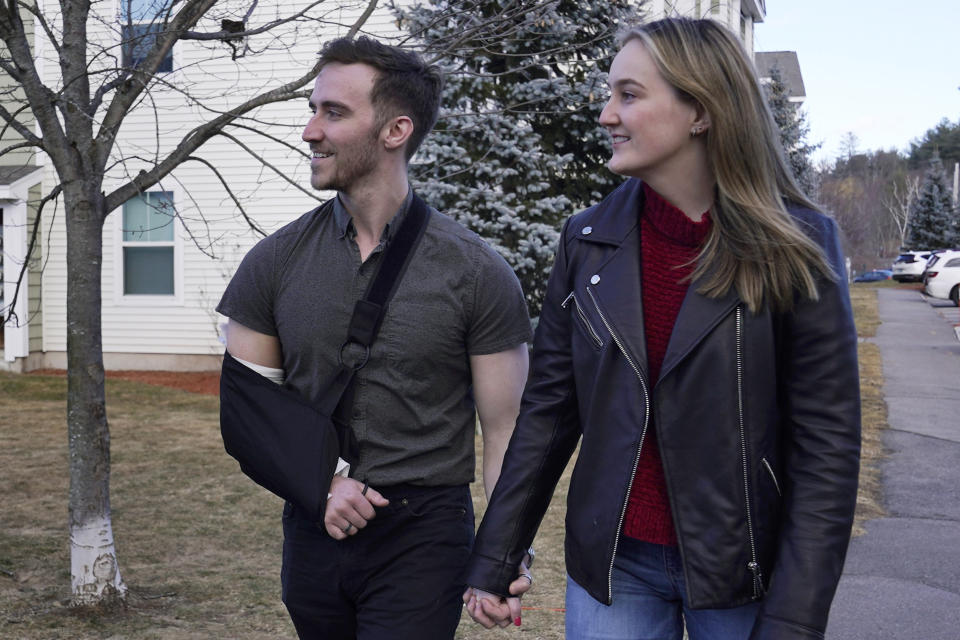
181	332
737	15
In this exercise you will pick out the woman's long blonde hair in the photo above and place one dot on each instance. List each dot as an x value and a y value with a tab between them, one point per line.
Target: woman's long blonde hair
754	244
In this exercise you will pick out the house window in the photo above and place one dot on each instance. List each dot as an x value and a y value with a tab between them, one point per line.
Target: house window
697	11
715	6
142	20
148	244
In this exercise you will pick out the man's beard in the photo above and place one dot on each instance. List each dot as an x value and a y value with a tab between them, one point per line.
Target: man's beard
349	165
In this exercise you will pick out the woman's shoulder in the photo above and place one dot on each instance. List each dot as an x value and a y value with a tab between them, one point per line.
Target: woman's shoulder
814	222
611	217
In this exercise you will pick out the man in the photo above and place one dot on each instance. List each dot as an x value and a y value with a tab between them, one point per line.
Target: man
386	561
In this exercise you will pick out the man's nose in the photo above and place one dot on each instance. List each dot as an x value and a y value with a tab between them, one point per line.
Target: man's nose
312	131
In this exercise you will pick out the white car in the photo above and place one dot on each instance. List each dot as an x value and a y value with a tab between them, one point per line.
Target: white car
943	277
908	267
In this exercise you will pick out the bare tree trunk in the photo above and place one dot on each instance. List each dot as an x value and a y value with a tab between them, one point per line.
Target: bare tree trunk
94	568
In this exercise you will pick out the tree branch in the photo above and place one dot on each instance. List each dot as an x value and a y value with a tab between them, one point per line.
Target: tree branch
34	234
222	34
236	201
264	162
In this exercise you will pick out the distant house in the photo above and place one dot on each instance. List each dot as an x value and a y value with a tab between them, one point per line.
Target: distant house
737	15
789	67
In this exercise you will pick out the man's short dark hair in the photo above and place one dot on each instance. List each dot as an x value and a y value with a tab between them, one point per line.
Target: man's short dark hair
405	84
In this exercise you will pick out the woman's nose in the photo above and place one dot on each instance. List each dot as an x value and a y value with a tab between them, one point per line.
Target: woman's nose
607	115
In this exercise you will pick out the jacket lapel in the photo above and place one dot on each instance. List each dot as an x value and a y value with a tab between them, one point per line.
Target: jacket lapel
697	317
616	283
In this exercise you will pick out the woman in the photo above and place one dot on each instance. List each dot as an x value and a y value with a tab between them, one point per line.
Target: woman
698	336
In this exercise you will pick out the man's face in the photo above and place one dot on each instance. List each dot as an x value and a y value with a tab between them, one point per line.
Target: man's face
342	133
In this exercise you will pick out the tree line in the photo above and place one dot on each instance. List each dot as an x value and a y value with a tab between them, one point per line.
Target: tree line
887	202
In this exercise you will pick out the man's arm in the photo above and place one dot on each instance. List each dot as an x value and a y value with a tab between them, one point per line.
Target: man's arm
498	380
253	346
350	503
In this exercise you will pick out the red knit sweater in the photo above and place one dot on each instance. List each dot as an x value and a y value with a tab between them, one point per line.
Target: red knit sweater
669	242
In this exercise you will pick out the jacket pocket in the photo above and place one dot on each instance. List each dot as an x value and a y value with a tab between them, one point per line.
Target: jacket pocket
582	321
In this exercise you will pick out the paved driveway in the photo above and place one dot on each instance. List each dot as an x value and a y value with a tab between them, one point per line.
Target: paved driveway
902	578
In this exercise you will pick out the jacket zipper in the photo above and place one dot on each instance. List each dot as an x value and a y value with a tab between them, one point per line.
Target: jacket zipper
753	565
643	433
773	476
583	318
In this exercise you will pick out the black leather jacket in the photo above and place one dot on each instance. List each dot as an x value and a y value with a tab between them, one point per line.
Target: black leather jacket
757	419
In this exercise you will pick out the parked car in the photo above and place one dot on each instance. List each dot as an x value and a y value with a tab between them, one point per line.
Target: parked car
937	257
909	265
874	276
943	280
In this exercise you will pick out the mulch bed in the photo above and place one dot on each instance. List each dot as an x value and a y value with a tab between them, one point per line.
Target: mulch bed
205	382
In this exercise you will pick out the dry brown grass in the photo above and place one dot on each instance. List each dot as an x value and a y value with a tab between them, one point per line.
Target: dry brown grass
873	406
199	544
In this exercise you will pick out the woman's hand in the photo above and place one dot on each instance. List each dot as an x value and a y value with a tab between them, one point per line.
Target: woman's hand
490	610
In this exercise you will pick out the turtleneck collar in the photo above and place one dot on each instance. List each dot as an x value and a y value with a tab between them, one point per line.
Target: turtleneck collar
671	221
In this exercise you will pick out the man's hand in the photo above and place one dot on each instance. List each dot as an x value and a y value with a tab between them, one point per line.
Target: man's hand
491	610
350	506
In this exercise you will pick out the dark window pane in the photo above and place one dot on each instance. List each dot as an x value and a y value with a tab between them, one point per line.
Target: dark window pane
138	39
148	270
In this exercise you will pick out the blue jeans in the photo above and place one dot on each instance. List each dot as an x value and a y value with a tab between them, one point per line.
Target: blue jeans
649	602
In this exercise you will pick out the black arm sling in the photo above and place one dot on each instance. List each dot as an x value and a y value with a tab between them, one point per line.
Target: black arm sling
283	442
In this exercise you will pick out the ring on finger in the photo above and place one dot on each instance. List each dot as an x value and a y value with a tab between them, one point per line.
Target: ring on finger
528	576
350	526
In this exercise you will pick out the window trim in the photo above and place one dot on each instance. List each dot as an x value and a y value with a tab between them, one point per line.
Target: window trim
122	299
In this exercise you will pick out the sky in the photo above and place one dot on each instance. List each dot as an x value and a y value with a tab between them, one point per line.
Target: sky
886	70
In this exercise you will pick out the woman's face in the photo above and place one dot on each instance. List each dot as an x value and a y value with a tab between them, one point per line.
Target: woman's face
650	125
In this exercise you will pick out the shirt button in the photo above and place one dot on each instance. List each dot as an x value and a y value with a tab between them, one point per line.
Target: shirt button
594	279
587	231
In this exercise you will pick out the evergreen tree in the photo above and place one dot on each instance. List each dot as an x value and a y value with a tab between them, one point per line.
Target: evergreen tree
932	216
793	133
943	140
518	147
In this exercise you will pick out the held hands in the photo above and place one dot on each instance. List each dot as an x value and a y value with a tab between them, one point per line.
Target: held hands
491	610
350	506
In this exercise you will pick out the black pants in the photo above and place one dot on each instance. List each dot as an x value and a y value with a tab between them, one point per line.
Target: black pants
399	577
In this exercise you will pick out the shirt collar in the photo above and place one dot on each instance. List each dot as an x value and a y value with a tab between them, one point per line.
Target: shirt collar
345	223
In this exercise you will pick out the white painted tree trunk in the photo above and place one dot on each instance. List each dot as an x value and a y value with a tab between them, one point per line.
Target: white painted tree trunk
95	573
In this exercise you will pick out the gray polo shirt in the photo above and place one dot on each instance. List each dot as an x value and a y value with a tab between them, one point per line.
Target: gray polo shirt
413	411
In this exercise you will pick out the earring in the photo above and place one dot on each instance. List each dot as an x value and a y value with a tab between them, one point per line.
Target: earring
696	131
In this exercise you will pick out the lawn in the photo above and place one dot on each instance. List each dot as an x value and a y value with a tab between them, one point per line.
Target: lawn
199	544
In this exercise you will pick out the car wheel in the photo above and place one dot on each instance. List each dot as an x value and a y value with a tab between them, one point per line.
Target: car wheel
955	295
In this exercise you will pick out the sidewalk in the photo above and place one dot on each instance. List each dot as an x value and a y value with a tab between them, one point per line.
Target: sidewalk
902	578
